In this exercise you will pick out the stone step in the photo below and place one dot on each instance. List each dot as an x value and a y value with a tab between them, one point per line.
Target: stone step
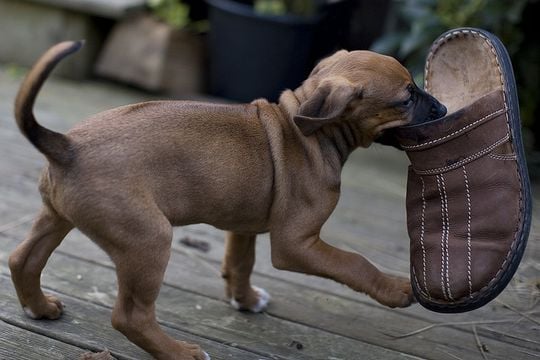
111	9
30	27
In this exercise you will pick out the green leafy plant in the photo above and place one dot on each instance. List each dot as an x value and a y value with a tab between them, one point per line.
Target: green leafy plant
420	22
172	12
282	7
177	14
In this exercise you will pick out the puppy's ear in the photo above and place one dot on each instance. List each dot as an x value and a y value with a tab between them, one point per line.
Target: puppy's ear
328	62
325	105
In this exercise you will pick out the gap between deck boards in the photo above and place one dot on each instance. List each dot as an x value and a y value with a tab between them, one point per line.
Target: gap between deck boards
339	317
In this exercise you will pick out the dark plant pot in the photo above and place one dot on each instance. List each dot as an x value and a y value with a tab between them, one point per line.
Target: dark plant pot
253	55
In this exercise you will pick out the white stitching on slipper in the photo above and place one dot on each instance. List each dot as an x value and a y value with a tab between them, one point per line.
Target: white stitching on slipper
422	231
443	233
469	220
497	112
464	161
446	238
418	284
503	157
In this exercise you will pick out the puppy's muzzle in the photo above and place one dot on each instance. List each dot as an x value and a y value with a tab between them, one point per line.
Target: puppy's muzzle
437	109
426	109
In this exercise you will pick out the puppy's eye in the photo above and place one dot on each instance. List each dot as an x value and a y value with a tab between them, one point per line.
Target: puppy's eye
410	100
407	102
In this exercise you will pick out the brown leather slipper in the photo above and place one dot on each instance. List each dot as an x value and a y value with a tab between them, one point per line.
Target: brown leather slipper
468	192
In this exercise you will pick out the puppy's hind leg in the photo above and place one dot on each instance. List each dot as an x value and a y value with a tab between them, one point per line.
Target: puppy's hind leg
28	260
141	256
236	270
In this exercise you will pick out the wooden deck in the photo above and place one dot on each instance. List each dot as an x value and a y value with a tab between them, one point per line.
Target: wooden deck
309	318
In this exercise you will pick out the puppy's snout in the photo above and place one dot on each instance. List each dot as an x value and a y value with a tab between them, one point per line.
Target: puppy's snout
438	110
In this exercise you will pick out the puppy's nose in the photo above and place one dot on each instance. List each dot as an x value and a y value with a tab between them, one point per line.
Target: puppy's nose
438	110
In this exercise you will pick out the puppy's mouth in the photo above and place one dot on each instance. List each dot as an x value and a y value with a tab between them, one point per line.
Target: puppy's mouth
384	134
426	109
386	137
380	129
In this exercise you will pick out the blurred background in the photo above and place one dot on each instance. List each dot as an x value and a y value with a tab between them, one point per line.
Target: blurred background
239	50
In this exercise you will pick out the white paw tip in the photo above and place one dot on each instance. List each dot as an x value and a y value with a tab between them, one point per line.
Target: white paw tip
235	304
29	313
264	299
206	356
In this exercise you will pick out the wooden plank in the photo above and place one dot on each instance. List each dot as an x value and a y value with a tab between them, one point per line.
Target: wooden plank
17	343
206	317
87	326
365	322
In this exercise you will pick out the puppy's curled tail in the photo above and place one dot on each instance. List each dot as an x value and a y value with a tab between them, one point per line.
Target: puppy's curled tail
55	146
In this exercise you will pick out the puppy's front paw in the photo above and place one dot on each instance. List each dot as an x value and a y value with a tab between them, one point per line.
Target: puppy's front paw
50	307
192	351
256	301
394	291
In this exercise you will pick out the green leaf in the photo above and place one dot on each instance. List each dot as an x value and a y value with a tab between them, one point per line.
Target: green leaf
389	44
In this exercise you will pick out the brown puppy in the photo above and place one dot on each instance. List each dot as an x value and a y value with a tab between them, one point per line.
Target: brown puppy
125	176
